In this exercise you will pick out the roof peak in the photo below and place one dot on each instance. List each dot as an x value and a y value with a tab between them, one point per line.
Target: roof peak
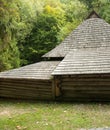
93	14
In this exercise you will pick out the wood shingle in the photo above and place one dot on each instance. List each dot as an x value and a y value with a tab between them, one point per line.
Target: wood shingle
40	70
85	61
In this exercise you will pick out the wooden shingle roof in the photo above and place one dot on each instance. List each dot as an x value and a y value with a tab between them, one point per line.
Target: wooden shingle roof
85	61
92	33
41	70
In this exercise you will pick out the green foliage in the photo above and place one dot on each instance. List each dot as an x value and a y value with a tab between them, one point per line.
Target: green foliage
16	22
52	25
9	19
42	38
105	12
75	10
9	57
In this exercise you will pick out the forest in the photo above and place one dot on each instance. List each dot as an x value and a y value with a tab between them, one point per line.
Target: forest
30	28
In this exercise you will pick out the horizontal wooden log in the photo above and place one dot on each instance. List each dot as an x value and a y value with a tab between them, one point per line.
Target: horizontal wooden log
12	92
27	87
25	79
84	88
86	79
98	75
26	90
24	93
18	83
86	92
83	99
85	95
26	97
84	83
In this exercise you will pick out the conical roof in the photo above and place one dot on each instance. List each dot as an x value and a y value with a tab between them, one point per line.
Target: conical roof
92	33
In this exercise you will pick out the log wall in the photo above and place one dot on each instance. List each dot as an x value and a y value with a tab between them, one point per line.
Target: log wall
85	88
72	88
26	89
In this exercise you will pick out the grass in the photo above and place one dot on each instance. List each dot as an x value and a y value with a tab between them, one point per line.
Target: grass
23	115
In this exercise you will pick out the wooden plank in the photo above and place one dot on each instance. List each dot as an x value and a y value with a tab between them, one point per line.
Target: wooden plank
87	95
98	75
25	92
95	87
86	79
27	97
22	95
86	92
27	83
28	89
84	88
25	86
57	87
25	80
84	83
53	89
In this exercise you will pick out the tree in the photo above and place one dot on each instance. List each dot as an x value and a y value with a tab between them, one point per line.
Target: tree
9	18
44	35
42	38
16	21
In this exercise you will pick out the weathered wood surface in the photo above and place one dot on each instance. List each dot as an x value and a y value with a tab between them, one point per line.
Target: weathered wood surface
92	33
75	88
85	61
84	88
40	71
26	89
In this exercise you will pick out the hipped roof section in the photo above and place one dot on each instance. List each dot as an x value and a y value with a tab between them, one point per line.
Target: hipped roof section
85	61
92	33
41	71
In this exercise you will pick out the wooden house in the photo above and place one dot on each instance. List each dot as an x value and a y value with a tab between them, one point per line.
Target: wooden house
82	73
